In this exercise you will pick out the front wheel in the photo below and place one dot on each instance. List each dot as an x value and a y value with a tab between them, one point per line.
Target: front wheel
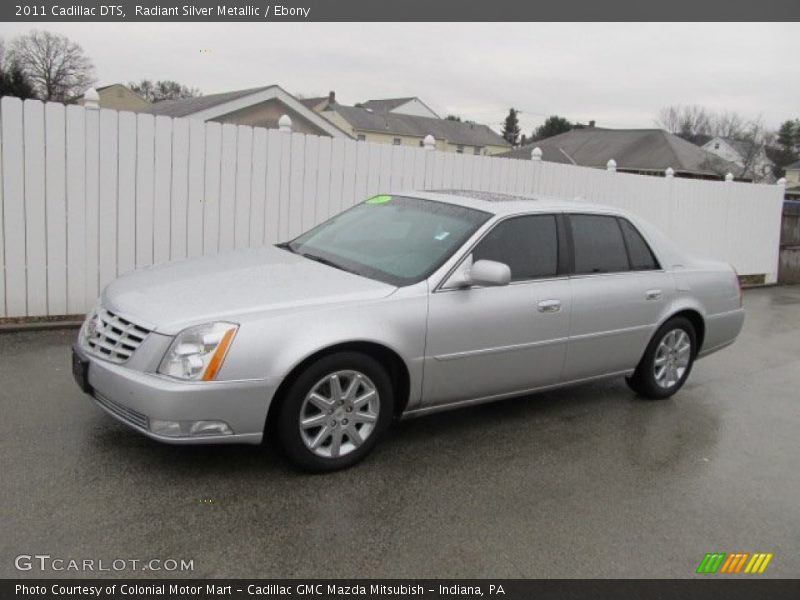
667	362
335	411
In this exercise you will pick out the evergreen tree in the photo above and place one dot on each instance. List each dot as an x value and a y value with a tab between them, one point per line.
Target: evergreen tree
788	146
13	82
511	128
554	125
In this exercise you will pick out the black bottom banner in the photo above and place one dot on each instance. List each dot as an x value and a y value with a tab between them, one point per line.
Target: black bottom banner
429	589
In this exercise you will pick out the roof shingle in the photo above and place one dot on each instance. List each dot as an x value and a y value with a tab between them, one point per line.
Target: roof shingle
632	149
454	132
188	106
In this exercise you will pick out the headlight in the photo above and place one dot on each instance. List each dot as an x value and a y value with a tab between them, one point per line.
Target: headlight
197	353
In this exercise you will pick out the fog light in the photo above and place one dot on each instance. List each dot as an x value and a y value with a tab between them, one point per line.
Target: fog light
168	428
189	428
210	428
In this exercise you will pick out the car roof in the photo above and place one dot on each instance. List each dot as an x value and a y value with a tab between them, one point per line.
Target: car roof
506	204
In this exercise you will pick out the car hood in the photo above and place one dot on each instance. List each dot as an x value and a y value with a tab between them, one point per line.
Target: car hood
171	296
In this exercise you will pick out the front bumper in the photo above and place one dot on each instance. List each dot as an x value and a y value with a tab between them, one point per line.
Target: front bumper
135	397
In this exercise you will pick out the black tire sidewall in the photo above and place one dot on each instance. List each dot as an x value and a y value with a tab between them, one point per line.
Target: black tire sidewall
289	410
644	380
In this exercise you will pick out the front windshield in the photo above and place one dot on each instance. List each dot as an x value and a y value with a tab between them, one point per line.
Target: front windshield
394	239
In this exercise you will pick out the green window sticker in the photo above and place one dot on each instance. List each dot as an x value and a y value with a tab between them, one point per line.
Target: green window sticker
379	199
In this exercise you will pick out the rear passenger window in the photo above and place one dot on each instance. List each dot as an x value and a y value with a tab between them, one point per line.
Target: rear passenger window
599	247
528	245
641	256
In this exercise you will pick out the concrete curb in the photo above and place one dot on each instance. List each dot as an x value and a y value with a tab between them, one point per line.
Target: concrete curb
21	327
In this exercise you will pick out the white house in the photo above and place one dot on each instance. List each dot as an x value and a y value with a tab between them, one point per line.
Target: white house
749	157
401	106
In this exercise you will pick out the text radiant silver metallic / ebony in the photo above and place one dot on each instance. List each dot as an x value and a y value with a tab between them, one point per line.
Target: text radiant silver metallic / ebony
402	305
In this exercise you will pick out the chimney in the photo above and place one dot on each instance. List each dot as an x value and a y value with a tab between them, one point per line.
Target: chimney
591	123
331	97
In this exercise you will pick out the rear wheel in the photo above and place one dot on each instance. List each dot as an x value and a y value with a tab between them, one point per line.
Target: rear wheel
335	411
667	362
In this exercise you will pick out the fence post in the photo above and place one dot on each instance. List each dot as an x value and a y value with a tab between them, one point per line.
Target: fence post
611	165
429	142
285	124
729	178
536	153
91	99
669	173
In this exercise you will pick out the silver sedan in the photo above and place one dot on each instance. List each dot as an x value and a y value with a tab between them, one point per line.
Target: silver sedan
402	305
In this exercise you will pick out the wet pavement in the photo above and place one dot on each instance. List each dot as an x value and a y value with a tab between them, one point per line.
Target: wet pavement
583	482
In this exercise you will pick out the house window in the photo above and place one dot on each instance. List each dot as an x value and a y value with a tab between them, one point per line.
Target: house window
362	137
716	146
477	151
396	141
460	149
421	143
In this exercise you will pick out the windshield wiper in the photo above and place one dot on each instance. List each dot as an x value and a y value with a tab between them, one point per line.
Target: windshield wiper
324	261
286	246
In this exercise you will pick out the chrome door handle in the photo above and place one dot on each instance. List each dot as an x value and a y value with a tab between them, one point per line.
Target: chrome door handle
653	294
549	306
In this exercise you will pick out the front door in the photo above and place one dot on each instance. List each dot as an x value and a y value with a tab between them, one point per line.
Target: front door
491	341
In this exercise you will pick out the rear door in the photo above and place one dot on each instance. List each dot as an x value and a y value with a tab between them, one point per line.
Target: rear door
489	341
618	290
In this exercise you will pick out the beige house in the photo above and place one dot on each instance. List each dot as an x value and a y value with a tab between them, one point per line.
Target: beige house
792	175
119	97
406	122
257	107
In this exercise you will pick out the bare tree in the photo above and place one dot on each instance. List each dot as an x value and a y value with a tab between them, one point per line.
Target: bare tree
57	67
156	91
689	122
697	124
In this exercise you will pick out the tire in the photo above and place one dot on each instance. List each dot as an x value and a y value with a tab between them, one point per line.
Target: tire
340	428
668	347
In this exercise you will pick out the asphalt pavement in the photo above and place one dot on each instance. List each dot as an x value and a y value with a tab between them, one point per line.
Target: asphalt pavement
589	481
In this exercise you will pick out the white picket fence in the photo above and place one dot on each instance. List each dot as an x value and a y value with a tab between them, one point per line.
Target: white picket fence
89	194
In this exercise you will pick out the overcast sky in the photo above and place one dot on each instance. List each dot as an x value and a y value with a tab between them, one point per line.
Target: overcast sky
616	74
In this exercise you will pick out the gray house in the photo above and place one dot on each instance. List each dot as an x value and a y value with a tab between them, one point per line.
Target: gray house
642	151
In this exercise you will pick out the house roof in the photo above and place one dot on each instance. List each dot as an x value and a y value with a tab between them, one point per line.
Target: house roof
793	167
214	106
632	149
188	106
312	102
467	134
110	85
386	104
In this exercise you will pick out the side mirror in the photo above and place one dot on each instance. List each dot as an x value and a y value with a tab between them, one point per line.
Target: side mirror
489	273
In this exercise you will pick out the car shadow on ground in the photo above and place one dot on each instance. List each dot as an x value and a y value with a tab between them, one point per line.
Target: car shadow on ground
547	422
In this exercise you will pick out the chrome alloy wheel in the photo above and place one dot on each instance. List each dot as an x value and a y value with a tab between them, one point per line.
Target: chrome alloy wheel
672	358
339	413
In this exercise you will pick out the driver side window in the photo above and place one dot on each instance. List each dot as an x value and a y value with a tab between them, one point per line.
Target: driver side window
527	244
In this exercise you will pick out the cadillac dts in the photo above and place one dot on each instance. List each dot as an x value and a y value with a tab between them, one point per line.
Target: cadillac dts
402	305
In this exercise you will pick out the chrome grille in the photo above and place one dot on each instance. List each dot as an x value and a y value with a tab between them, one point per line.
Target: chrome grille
123	412
111	337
